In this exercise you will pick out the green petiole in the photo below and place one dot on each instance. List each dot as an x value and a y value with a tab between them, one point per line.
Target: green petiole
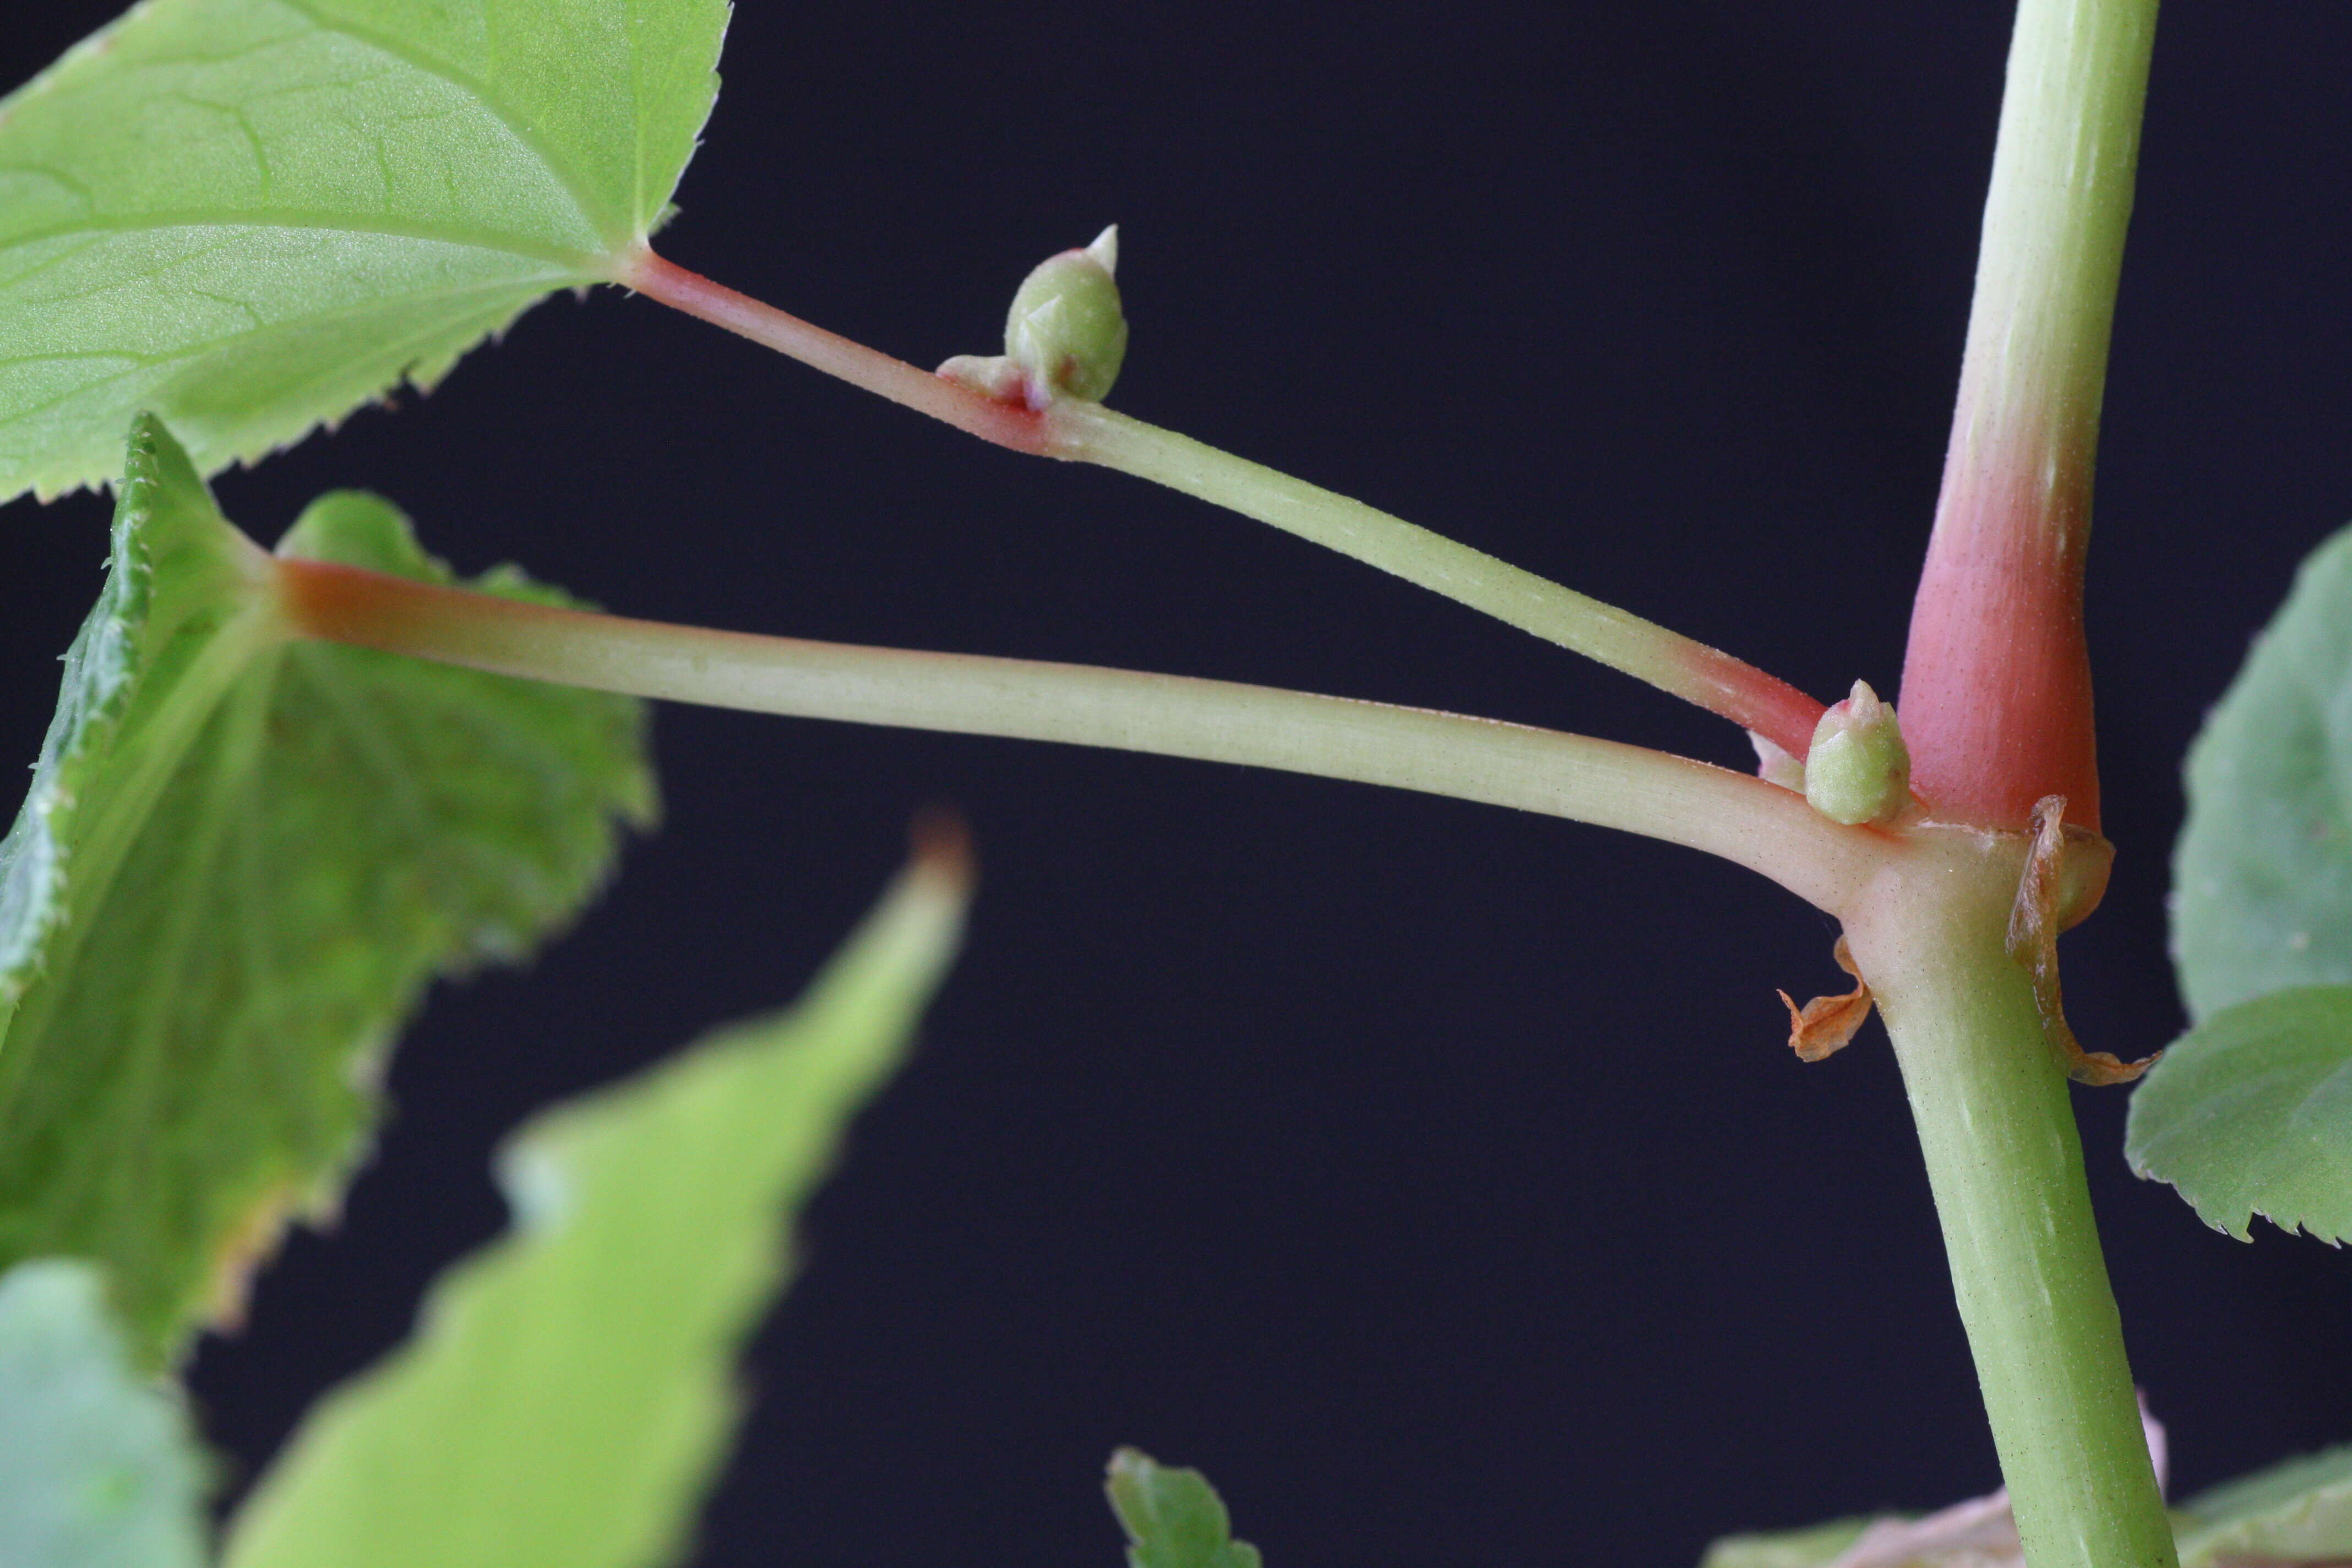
1743	819
1081	431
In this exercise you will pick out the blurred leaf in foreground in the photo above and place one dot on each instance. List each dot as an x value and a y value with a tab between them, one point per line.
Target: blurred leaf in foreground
97	1467
2299	1512
241	859
570	1389
1981	1532
1815	1547
2292	1514
1173	1517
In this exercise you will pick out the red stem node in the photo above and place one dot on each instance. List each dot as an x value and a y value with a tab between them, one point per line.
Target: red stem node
1995	699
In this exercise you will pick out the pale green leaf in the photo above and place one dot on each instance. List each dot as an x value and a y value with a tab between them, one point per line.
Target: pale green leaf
1173	1517
242	860
97	1469
2299	1512
2262	876
253	215
2250	1113
571	1389
2296	1512
1815	1547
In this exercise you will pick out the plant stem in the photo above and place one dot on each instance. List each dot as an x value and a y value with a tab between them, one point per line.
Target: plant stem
1997	1130
1088	432
1996	697
1009	424
1996	706
1744	820
1643	649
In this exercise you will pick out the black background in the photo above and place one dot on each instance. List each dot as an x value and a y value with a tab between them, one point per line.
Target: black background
1434	1177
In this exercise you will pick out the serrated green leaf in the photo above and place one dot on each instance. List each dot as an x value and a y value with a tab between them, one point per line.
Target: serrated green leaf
242	860
570	1389
1815	1547
253	215
2262	876
2299	1512
1173	1517
2250	1113
97	1469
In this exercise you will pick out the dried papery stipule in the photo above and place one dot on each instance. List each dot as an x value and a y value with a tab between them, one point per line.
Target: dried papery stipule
1827	1025
2034	922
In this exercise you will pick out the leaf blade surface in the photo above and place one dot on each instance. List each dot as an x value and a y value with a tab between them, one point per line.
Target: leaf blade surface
1173	1517
2300	1511
2262	874
98	1468
254	215
2250	1113
241	862
570	1390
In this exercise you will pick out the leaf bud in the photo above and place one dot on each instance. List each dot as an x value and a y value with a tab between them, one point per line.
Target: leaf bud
1065	330
1858	769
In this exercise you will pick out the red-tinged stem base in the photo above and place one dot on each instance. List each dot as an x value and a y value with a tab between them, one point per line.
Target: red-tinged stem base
1995	699
1007	424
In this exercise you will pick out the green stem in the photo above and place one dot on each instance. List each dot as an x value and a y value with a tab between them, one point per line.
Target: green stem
1090	433
1997	1128
1743	819
1643	649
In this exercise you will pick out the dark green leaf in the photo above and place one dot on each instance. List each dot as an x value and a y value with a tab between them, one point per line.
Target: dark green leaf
570	1389
2262	878
253	215
242	860
2250	1113
97	1467
1173	1517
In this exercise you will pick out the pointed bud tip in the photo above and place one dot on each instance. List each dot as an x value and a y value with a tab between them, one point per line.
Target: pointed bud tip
1104	248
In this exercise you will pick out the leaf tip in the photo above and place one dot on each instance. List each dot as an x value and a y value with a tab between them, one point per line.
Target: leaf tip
940	851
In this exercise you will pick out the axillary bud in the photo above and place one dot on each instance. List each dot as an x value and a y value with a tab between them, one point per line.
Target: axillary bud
1065	330
1858	769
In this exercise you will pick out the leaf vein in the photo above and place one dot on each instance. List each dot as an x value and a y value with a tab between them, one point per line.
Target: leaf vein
574	266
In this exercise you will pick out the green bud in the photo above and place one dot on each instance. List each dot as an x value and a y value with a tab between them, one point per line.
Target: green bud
1858	769
1066	330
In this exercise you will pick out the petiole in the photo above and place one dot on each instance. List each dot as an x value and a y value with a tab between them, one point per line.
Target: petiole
1761	826
1077	430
